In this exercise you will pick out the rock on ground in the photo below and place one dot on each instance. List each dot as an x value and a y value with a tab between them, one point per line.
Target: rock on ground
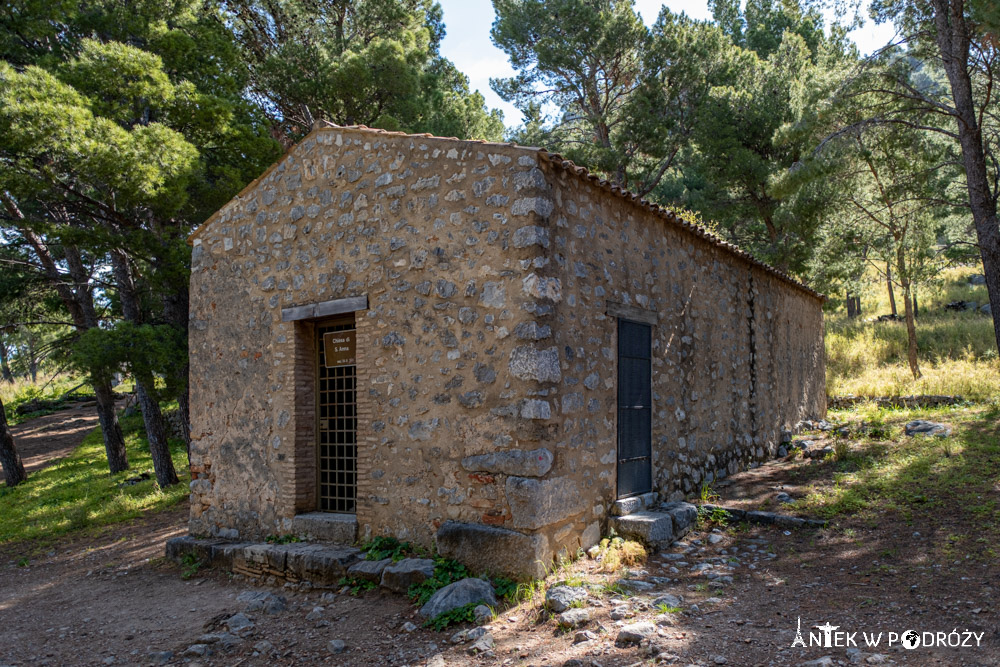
269	603
560	598
573	618
459	594
635	632
407	572
924	427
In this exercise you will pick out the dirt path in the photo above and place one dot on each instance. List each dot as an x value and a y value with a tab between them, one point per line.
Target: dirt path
110	598
49	437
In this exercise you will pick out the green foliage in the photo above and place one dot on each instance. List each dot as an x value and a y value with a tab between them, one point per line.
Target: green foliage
462	614
371	62
189	566
357	585
506	589
716	516
77	493
446	571
382	547
282	539
664	608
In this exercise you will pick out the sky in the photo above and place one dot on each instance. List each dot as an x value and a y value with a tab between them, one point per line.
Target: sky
467	42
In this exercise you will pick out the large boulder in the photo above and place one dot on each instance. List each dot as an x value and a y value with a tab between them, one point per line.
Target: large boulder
459	594
494	550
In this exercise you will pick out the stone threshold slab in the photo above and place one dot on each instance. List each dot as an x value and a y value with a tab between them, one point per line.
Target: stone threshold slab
322	565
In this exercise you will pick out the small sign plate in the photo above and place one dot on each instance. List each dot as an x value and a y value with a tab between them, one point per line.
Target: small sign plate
338	348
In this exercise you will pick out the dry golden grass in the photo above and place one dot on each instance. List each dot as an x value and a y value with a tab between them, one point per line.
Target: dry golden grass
618	553
957	350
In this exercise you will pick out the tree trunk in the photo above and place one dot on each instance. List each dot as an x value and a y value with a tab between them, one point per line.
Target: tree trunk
888	284
953	37
145	387
911	326
114	440
5	365
13	469
915	309
857	306
851	312
156	432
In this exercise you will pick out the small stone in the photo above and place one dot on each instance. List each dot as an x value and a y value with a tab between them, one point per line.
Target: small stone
719	659
469	635
409	627
715	539
635	632
160	657
637	585
407	572
263	646
336	646
560	598
876	659
825	661
668	600
482	645
584	636
197	651
783	497
316	614
573	618
269	603
240	625
482	615
619	613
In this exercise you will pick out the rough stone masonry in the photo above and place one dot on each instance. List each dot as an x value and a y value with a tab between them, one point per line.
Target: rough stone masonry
486	282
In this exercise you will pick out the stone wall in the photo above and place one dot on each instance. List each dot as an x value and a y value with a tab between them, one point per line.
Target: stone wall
737	351
487	386
437	234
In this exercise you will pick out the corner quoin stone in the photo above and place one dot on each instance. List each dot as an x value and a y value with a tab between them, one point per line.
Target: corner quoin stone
535	502
512	462
488	549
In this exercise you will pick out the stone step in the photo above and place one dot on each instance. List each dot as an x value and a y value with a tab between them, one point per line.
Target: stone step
658	527
320	564
326	527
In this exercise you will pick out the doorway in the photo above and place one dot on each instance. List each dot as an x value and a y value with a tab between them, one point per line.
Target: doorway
336	416
635	409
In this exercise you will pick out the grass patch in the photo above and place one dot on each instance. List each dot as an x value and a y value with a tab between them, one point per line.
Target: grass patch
49	393
946	482
617	553
77	492
957	350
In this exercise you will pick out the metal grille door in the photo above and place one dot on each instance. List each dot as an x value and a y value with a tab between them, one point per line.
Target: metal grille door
635	409
337	429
